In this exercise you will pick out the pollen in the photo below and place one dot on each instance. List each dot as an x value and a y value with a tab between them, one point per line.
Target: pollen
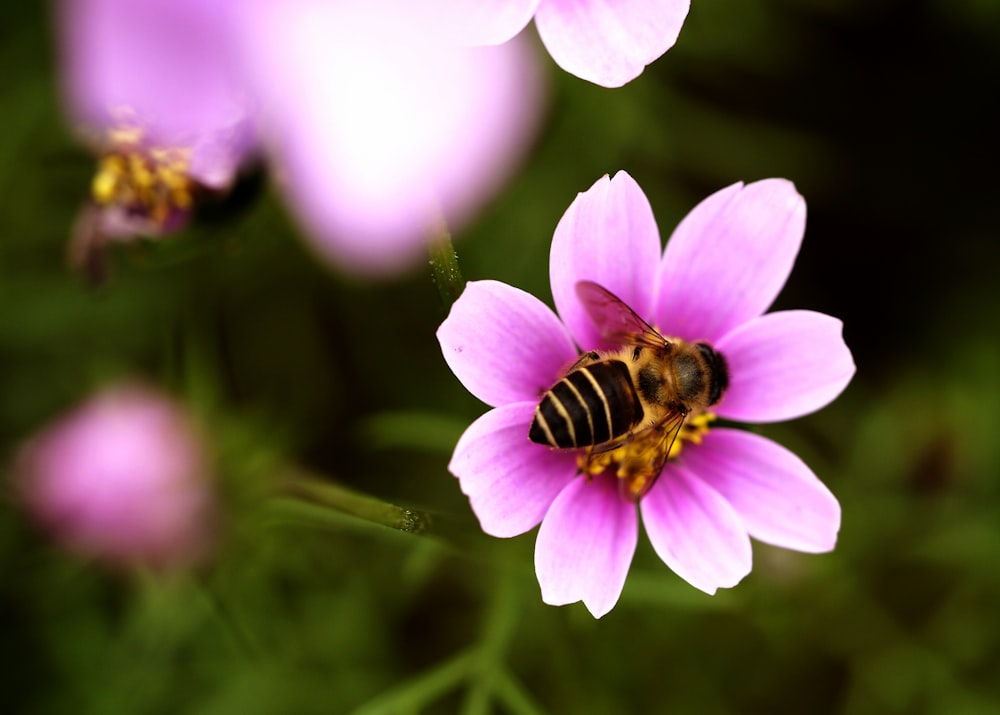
148	181
693	430
637	463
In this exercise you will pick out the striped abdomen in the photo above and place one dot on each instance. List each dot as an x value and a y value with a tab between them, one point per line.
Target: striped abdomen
591	405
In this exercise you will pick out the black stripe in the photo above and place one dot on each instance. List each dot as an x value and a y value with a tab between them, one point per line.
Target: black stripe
591	406
616	382
558	426
537	432
613	382
577	410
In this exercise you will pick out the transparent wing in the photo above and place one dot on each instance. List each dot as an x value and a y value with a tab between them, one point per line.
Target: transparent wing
646	453
640	470
616	322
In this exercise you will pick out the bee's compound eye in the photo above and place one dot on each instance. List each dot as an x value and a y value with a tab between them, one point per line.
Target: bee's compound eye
719	371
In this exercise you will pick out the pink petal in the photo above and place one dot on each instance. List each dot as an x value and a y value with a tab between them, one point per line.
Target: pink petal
729	258
607	235
165	62
777	496
217	156
483	22
381	127
509	480
609	43
784	365
585	546
695	531
504	345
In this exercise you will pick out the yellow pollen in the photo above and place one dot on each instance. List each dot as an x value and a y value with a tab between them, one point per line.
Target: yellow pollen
628	460
693	430
149	181
125	136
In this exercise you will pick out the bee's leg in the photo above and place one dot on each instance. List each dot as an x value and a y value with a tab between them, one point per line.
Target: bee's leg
585	359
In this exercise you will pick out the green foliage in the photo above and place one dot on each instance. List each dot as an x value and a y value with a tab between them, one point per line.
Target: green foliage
378	593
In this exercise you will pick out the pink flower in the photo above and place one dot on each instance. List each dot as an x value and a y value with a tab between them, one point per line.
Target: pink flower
152	87
722	268
607	43
376	124
121	479
380	126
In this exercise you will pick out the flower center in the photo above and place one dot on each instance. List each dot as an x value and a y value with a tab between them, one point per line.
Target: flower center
148	181
638	462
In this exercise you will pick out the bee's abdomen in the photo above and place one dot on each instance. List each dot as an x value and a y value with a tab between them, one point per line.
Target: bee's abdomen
591	405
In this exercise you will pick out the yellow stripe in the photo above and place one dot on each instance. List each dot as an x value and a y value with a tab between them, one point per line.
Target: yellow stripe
607	408
540	419
561	409
579	398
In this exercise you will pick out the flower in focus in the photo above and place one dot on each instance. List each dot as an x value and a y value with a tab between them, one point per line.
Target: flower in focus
122	479
379	126
607	43
722	269
151	87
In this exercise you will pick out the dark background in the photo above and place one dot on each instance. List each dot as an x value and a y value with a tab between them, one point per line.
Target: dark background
881	112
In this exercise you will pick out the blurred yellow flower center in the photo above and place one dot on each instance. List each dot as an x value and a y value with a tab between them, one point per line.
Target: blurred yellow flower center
148	180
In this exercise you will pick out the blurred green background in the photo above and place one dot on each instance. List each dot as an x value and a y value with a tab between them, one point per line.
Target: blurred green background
882	113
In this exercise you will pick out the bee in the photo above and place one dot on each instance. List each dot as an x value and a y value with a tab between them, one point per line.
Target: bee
635	397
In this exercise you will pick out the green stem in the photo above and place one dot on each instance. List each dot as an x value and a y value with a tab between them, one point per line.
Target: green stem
415	694
334	496
444	266
501	621
511	693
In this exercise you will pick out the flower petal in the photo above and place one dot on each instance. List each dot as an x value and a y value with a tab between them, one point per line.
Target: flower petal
777	496
484	22
609	43
510	481
607	235
381	126
784	365
695	531
503	344
585	546
217	155
163	62
729	258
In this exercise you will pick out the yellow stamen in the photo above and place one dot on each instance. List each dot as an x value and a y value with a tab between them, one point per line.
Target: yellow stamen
638	461
693	430
150	181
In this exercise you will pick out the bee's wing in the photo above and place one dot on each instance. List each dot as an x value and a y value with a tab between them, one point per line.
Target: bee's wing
616	322
649	462
649	451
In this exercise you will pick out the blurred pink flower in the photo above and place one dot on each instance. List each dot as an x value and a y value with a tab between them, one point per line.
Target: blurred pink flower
380	126
607	43
152	83
722	268
377	125
122	479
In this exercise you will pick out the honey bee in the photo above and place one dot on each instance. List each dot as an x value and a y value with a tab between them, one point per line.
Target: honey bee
635	397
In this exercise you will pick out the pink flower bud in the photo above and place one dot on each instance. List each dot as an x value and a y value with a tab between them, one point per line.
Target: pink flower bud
122	478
